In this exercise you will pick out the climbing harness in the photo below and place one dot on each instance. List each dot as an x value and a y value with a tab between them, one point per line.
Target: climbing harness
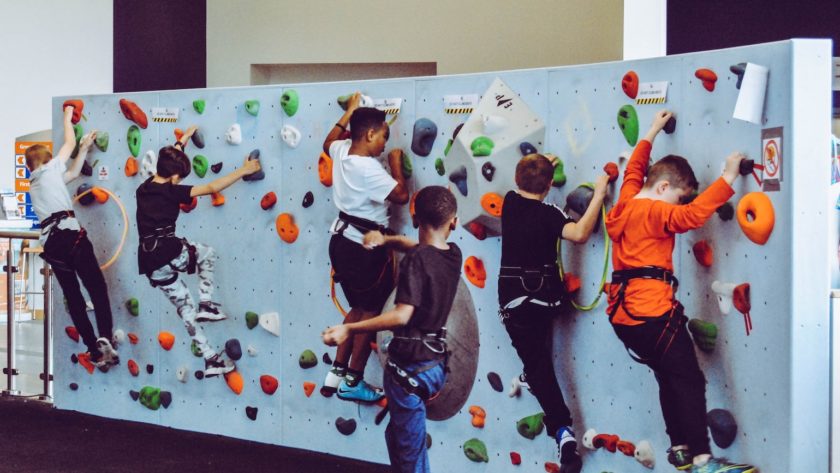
533	281
51	223
149	243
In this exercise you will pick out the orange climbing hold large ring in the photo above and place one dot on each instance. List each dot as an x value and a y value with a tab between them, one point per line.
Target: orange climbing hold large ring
756	217
98	190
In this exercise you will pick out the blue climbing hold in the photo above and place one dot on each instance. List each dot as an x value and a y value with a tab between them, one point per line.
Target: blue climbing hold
425	132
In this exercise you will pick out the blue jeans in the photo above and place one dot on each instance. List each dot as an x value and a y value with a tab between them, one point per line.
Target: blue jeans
405	435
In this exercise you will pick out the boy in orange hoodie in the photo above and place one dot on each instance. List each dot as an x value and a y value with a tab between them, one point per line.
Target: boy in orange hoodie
642	307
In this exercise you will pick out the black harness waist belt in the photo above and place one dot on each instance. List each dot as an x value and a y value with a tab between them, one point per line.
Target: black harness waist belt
149	241
523	272
57	217
623	276
361	224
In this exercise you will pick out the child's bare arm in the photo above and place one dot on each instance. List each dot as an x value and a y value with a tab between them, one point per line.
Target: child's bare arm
400	193
69	143
394	318
659	121
580	231
76	168
341	126
218	185
398	242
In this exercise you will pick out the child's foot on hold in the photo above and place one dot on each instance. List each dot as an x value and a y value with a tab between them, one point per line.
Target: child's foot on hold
567	453
216	365
719	465
334	377
360	392
109	356
680	457
208	311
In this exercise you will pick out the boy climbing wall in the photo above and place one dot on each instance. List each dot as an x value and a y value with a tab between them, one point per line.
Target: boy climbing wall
162	256
362	190
66	245
643	309
531	293
415	369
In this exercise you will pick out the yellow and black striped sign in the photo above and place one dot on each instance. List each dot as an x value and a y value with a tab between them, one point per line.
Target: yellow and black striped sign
650	101
391	111
164	119
458	111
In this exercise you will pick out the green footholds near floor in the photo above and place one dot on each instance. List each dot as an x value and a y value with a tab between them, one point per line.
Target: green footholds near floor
439	167
198	106
407	167
704	334
476	451
133	138
101	141
252	107
531	426
290	101
628	121
307	359
150	397
482	146
559	175
200	165
196	351
252	319
133	306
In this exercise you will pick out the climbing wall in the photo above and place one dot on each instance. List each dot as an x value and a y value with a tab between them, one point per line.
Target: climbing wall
759	378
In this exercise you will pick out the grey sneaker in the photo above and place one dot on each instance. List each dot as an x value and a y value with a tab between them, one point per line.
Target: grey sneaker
216	365
110	356
209	312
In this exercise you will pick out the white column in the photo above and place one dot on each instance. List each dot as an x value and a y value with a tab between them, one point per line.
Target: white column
645	26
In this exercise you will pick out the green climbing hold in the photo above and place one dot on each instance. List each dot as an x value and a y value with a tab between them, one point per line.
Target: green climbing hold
448	147
198	106
133	306
195	350
531	426
482	146
559	174
252	107
150	397
307	359
252	319
441	170
407	167
200	165
79	132
704	334
628	121
476	451
102	141
290	102
343	101
134	139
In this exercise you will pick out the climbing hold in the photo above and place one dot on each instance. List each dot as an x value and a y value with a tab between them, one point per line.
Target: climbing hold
325	169
270	321
130	168
307	359
268	200
527	148
233	135
625	447
606	441
73	386
308	199
235	382
251	412
119	336
290	135
482	146
628	122
252	351
551	467
756	217
179	133
364	101
703	253
198	139
254	155
746	167
345	426
726	211
269	384
251	319
478	415
134	113
133	368
87	169
148	166
290	101
217	168
644	454
286	227
531	426
199	375
739	70
477	229
630	84
407	167
475	272
198	106
308	388
428	437
84	360
133	306
588	438
72	333
559	178
724	292
166	340
611	169
150	397
134	395
326	358
78	106
102	140
670	125
492	204
439	167
515	458
704	334
133	338
423	140
572	283
723	427
252	107
493	124
217	199
707	78
488	170
200	165
495	381
165	399
233	349
150	368
99	195
741	300
579	199
459	178
79	132
187	208
182	373
134	139
195	349
73	358
476	451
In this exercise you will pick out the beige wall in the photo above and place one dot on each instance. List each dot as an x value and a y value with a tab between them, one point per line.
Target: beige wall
460	35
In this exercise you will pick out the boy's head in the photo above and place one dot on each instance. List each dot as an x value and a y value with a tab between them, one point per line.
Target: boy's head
436	209
534	174
36	155
369	129
671	179
173	164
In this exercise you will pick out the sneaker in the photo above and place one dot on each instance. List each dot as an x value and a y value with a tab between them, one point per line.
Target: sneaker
333	379
567	453
109	357
719	465
361	392
208	311
216	365
680	457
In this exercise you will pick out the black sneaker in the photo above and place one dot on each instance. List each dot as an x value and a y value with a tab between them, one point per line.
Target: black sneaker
108	355
680	457
567	453
216	365
208	311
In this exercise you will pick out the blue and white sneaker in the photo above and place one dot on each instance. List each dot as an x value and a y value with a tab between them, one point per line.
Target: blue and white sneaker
567	453
718	465
361	392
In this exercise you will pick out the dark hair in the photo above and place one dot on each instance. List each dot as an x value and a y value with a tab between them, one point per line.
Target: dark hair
674	169
434	206
534	173
173	161
364	119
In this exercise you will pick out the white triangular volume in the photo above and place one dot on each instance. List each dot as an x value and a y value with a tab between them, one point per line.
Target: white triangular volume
271	322
724	291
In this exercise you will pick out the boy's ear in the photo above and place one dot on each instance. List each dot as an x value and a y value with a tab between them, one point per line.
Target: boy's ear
662	186
453	224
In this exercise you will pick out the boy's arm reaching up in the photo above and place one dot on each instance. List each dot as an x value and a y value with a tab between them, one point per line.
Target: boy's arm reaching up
69	143
634	174
394	318
218	185
76	168
579	231
344	121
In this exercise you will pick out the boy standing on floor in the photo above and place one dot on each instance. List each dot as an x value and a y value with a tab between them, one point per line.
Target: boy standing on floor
66	245
162	256
415	370
531	292
643	309
362	190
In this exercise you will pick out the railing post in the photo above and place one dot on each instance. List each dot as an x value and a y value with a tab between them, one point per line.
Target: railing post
47	375
10	371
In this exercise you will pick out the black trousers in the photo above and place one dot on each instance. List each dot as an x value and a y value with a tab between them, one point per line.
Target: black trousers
71	254
531	332
682	386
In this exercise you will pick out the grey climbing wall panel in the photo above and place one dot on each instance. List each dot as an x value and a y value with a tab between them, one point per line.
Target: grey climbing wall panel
256	271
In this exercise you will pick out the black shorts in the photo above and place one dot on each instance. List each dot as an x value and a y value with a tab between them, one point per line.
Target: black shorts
366	276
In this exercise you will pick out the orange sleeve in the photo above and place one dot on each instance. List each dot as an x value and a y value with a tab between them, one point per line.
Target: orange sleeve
634	174
682	218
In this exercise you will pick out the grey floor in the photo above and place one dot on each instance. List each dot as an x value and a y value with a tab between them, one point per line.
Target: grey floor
29	355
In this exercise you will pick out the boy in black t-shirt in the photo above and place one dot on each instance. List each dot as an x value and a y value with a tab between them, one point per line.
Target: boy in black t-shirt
531	292
162	255
428	280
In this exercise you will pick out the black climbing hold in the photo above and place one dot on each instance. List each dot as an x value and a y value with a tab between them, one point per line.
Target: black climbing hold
578	200
198	139
495	381
251	412
425	132
308	199
165	399
88	198
74	359
723	427
526	148
459	178
217	168
233	349
457	130
738	70
488	170
74	386
670	125
326	359
150	369
345	426
428	441
746	167
134	395
199	374
726	212
87	169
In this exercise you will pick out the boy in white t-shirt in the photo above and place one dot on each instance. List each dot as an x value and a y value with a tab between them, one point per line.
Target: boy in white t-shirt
65	243
362	190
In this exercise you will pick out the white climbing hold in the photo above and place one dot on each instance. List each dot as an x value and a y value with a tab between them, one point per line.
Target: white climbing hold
182	373
365	101
233	135
724	292
493	123
252	350
290	135
515	387
644	454
271	322
587	439
119	335
148	165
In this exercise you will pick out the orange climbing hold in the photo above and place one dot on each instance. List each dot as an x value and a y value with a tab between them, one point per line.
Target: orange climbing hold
611	169
134	113
78	106
478	415
84	360
308	388
166	340
218	199
626	448
630	84
131	167
178	134
411	204
707	77
268	200
187	208
474	269
703	253
572	282
287	228
72	333
100	195
235	382
133	368
492	202
133	338
756	217
269	384
325	165
383	402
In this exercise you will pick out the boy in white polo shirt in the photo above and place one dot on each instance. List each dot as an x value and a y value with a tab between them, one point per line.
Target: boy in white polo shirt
362	190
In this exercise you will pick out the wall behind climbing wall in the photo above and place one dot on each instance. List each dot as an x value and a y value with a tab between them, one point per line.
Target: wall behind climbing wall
464	36
774	381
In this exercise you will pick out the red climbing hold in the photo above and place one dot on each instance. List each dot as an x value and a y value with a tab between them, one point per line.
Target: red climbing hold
268	201
630	84
611	169
703	253
133	338
187	208
134	113
133	368
474	269
626	448
308	388
72	333
606	441
78	106
478	230
515	458
269	384
572	282
741	300
707	77
551	467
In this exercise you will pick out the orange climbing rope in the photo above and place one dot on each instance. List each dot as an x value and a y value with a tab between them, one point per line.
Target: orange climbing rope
335	300
116	254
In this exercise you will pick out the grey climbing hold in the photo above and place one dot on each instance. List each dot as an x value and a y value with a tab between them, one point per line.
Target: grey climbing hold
251	412
459	178
726	211
578	200
135	395
259	175
74	359
233	349
165	399
723	427
345	426
423	140
198	139
217	168
526	148
670	125
199	375
150	368
739	70
308	199
495	381
488	170
326	359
